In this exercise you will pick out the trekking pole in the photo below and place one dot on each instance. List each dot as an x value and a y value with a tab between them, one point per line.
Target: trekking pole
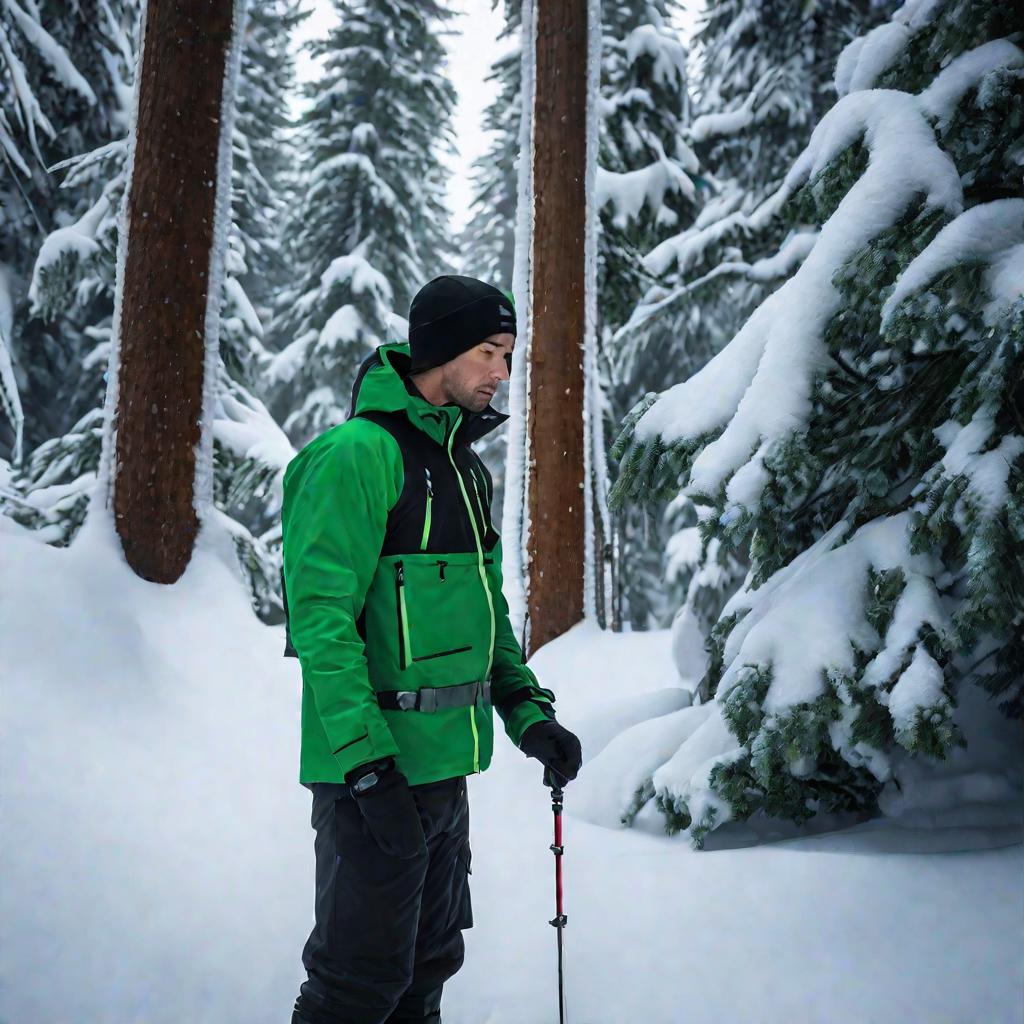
560	918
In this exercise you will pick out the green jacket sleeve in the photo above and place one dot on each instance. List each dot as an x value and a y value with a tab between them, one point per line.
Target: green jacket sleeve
518	697
337	494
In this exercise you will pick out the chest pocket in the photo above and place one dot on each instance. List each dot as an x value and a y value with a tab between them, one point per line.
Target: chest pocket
443	625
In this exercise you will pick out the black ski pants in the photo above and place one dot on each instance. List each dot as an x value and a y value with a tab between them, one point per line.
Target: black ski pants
388	931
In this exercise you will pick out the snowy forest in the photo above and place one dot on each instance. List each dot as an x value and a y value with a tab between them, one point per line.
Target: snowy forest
792	652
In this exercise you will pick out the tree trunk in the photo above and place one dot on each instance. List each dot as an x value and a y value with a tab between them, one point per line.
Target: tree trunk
169	254
555	425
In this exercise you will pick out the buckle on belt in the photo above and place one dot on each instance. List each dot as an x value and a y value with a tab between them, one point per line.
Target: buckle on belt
406	700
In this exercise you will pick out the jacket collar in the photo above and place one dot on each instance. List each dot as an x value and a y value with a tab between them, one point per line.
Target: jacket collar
382	384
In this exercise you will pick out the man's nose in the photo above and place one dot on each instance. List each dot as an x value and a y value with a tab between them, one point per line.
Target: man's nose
502	371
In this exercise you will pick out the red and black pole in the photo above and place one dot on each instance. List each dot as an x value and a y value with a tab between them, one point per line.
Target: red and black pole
557	849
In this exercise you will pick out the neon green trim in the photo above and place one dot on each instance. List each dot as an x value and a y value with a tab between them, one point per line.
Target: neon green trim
476	738
405	627
426	524
479	546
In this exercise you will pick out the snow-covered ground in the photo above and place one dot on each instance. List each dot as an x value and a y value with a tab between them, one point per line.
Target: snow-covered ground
157	857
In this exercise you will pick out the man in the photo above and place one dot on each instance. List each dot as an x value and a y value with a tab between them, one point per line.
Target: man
393	580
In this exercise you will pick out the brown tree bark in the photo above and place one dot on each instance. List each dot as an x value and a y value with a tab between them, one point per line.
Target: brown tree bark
171	201
555	428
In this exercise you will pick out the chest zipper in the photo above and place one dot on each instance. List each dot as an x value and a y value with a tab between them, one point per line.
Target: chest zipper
479	503
426	516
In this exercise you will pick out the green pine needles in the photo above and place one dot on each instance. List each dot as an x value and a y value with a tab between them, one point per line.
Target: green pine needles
861	439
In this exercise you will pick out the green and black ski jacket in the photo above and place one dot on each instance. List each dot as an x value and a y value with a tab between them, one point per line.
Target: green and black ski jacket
392	573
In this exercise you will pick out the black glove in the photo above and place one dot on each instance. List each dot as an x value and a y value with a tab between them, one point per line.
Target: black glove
382	794
556	748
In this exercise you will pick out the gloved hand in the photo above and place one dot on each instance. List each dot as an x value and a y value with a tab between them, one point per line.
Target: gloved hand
556	748
388	808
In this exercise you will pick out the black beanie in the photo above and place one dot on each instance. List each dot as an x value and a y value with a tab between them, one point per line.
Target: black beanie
452	314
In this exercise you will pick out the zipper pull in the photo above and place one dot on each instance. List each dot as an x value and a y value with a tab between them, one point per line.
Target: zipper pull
441	564
401	573
430	485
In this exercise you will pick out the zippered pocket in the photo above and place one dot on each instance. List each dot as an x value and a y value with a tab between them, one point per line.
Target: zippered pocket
405	655
404	647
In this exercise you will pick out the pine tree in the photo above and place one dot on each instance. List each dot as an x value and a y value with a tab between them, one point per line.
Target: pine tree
63	69
646	189
863	434
72	283
762	81
369	226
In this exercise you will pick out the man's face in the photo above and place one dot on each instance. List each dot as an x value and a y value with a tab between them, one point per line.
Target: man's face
472	377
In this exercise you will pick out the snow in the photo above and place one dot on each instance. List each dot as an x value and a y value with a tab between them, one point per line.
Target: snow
31	114
918	690
52	52
10	399
988	232
963	73
631	191
248	430
169	875
729	122
663	47
759	386
77	240
866	57
356	271
819	596
987	472
343	325
235	297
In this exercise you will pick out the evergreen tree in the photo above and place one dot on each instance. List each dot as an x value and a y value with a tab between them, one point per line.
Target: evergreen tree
762	81
369	225
646	189
72	288
63	74
863	434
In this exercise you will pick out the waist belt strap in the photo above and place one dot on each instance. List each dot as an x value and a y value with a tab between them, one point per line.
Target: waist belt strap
438	698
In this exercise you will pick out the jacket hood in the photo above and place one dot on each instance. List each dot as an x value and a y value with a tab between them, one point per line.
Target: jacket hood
380	385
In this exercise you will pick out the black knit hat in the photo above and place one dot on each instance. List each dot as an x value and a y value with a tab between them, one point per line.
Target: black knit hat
452	314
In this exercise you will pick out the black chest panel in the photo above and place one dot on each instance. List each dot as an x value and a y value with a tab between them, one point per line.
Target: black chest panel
430	478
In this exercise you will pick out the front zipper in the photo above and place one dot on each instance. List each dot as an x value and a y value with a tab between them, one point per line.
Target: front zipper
483	580
404	650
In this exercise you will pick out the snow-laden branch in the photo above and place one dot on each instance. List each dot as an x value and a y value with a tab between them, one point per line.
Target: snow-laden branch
787	352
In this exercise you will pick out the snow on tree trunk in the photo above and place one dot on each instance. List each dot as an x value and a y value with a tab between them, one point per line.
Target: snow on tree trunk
597	589
177	210
555	415
515	508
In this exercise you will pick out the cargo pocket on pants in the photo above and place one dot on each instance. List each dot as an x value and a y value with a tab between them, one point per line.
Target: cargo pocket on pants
462	905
